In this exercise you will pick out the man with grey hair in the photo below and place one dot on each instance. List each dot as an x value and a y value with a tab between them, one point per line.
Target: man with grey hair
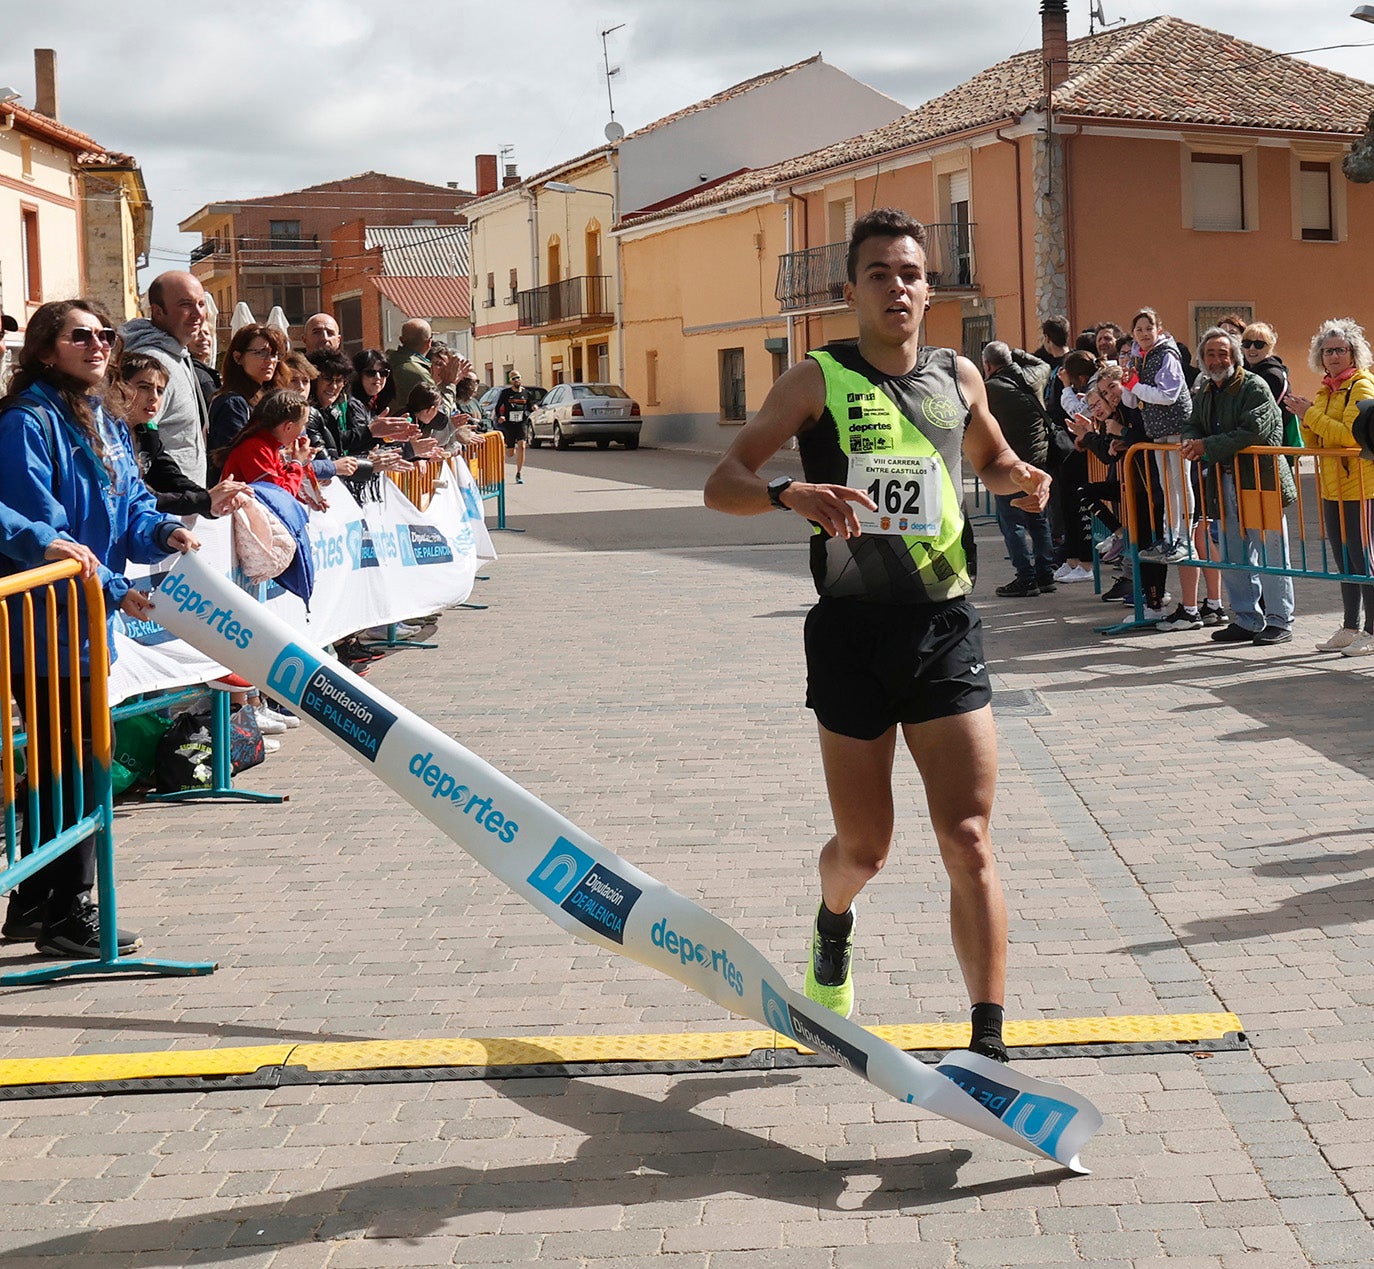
1016	392
176	304
1245	493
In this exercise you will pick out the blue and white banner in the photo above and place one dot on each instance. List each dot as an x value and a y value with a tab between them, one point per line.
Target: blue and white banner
375	564
585	888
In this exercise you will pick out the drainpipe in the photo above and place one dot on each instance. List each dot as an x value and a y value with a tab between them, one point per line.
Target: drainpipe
1070	278
1020	232
786	197
533	220
619	269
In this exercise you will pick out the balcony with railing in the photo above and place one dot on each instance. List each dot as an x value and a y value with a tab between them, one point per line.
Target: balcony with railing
573	304
225	255
815	278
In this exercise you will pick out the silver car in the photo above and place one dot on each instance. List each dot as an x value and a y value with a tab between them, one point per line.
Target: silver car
600	412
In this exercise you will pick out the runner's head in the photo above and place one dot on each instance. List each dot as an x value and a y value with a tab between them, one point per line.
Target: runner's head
884	222
888	290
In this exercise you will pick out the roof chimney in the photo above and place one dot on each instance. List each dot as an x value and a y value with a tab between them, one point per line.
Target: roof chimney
512	177
1054	42
45	81
486	174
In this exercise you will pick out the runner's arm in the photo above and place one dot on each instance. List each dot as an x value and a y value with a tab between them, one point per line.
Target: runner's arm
990	455
793	403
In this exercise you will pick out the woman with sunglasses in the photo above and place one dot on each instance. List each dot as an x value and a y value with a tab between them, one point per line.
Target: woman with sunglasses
1340	353
253	364
372	380
69	489
1257	342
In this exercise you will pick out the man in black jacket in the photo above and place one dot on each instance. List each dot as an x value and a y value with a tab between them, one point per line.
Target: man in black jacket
1016	389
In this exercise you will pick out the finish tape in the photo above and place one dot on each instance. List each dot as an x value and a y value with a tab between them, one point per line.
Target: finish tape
585	888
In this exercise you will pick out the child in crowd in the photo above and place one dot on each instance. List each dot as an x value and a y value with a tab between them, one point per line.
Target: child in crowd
273	445
136	393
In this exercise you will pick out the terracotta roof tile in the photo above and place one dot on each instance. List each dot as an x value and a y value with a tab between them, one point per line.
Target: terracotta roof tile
1165	70
427	297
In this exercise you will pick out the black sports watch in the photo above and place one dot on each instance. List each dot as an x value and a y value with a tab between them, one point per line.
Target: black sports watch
775	489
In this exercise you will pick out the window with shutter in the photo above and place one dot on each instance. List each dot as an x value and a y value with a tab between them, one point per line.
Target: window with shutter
1218	192
1314	191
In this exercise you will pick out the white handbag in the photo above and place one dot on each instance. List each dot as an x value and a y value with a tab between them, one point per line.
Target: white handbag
263	546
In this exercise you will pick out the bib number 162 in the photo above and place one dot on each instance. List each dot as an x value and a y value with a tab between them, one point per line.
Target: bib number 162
896	496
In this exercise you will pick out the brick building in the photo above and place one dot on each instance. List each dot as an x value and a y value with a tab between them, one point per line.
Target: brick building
271	251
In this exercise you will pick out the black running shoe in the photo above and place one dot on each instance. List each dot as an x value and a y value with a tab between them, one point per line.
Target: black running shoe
829	980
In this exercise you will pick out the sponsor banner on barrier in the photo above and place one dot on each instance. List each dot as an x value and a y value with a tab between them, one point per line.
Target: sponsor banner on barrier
592	892
376	563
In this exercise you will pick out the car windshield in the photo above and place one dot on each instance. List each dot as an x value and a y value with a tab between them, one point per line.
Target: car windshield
585	390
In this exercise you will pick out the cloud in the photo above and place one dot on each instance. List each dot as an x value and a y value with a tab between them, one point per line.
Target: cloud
269	96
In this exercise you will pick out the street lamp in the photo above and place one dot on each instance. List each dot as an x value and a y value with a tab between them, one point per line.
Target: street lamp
563	187
1364	12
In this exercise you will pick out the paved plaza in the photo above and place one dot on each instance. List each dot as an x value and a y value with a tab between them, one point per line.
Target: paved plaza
1183	828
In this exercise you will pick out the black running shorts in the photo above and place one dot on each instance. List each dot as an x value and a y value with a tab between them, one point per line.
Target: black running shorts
871	666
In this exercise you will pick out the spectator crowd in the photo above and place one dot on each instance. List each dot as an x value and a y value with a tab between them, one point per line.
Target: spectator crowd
1077	405
114	442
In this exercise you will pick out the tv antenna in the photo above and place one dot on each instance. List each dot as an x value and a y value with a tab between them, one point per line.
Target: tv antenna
613	130
1097	20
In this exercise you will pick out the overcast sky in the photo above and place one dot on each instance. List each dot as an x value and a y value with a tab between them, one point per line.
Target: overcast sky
238	100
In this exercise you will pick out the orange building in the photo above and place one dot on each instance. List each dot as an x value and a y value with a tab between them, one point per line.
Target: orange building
1160	164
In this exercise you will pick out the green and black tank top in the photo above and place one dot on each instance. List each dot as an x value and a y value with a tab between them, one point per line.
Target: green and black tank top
899	437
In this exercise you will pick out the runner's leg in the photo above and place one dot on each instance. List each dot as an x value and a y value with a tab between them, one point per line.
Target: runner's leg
957	759
858	779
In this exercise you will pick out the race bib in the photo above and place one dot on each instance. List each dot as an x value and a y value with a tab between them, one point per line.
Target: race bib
517	416
909	491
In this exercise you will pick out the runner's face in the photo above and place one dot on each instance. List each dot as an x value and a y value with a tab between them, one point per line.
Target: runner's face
890	290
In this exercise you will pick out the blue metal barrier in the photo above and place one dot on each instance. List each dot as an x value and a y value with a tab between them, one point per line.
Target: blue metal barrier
1259	510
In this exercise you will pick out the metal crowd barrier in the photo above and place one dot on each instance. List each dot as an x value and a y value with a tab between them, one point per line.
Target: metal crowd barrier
486	459
1145	495
419	484
41	602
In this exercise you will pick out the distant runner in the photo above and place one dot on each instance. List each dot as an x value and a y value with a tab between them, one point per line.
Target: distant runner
512	417
893	640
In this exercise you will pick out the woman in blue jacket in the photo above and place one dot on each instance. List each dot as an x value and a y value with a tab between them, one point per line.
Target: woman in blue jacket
69	488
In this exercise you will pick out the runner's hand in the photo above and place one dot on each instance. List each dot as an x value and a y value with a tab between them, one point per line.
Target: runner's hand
1034	484
828	506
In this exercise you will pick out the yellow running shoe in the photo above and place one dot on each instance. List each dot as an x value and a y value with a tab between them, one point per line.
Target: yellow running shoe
829	981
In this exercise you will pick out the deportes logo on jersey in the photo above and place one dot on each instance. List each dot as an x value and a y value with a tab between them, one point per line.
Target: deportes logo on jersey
941	412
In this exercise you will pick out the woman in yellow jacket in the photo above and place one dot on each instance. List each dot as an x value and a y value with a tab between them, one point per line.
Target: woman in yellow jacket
1341	355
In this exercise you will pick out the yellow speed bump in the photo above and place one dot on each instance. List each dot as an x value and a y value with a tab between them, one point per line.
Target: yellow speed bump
169	1063
270	1065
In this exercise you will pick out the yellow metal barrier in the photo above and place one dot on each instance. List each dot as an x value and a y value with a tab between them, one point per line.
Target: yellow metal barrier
64	789
419	483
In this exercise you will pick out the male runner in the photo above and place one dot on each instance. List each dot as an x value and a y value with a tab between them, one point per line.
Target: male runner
512	414
893	641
